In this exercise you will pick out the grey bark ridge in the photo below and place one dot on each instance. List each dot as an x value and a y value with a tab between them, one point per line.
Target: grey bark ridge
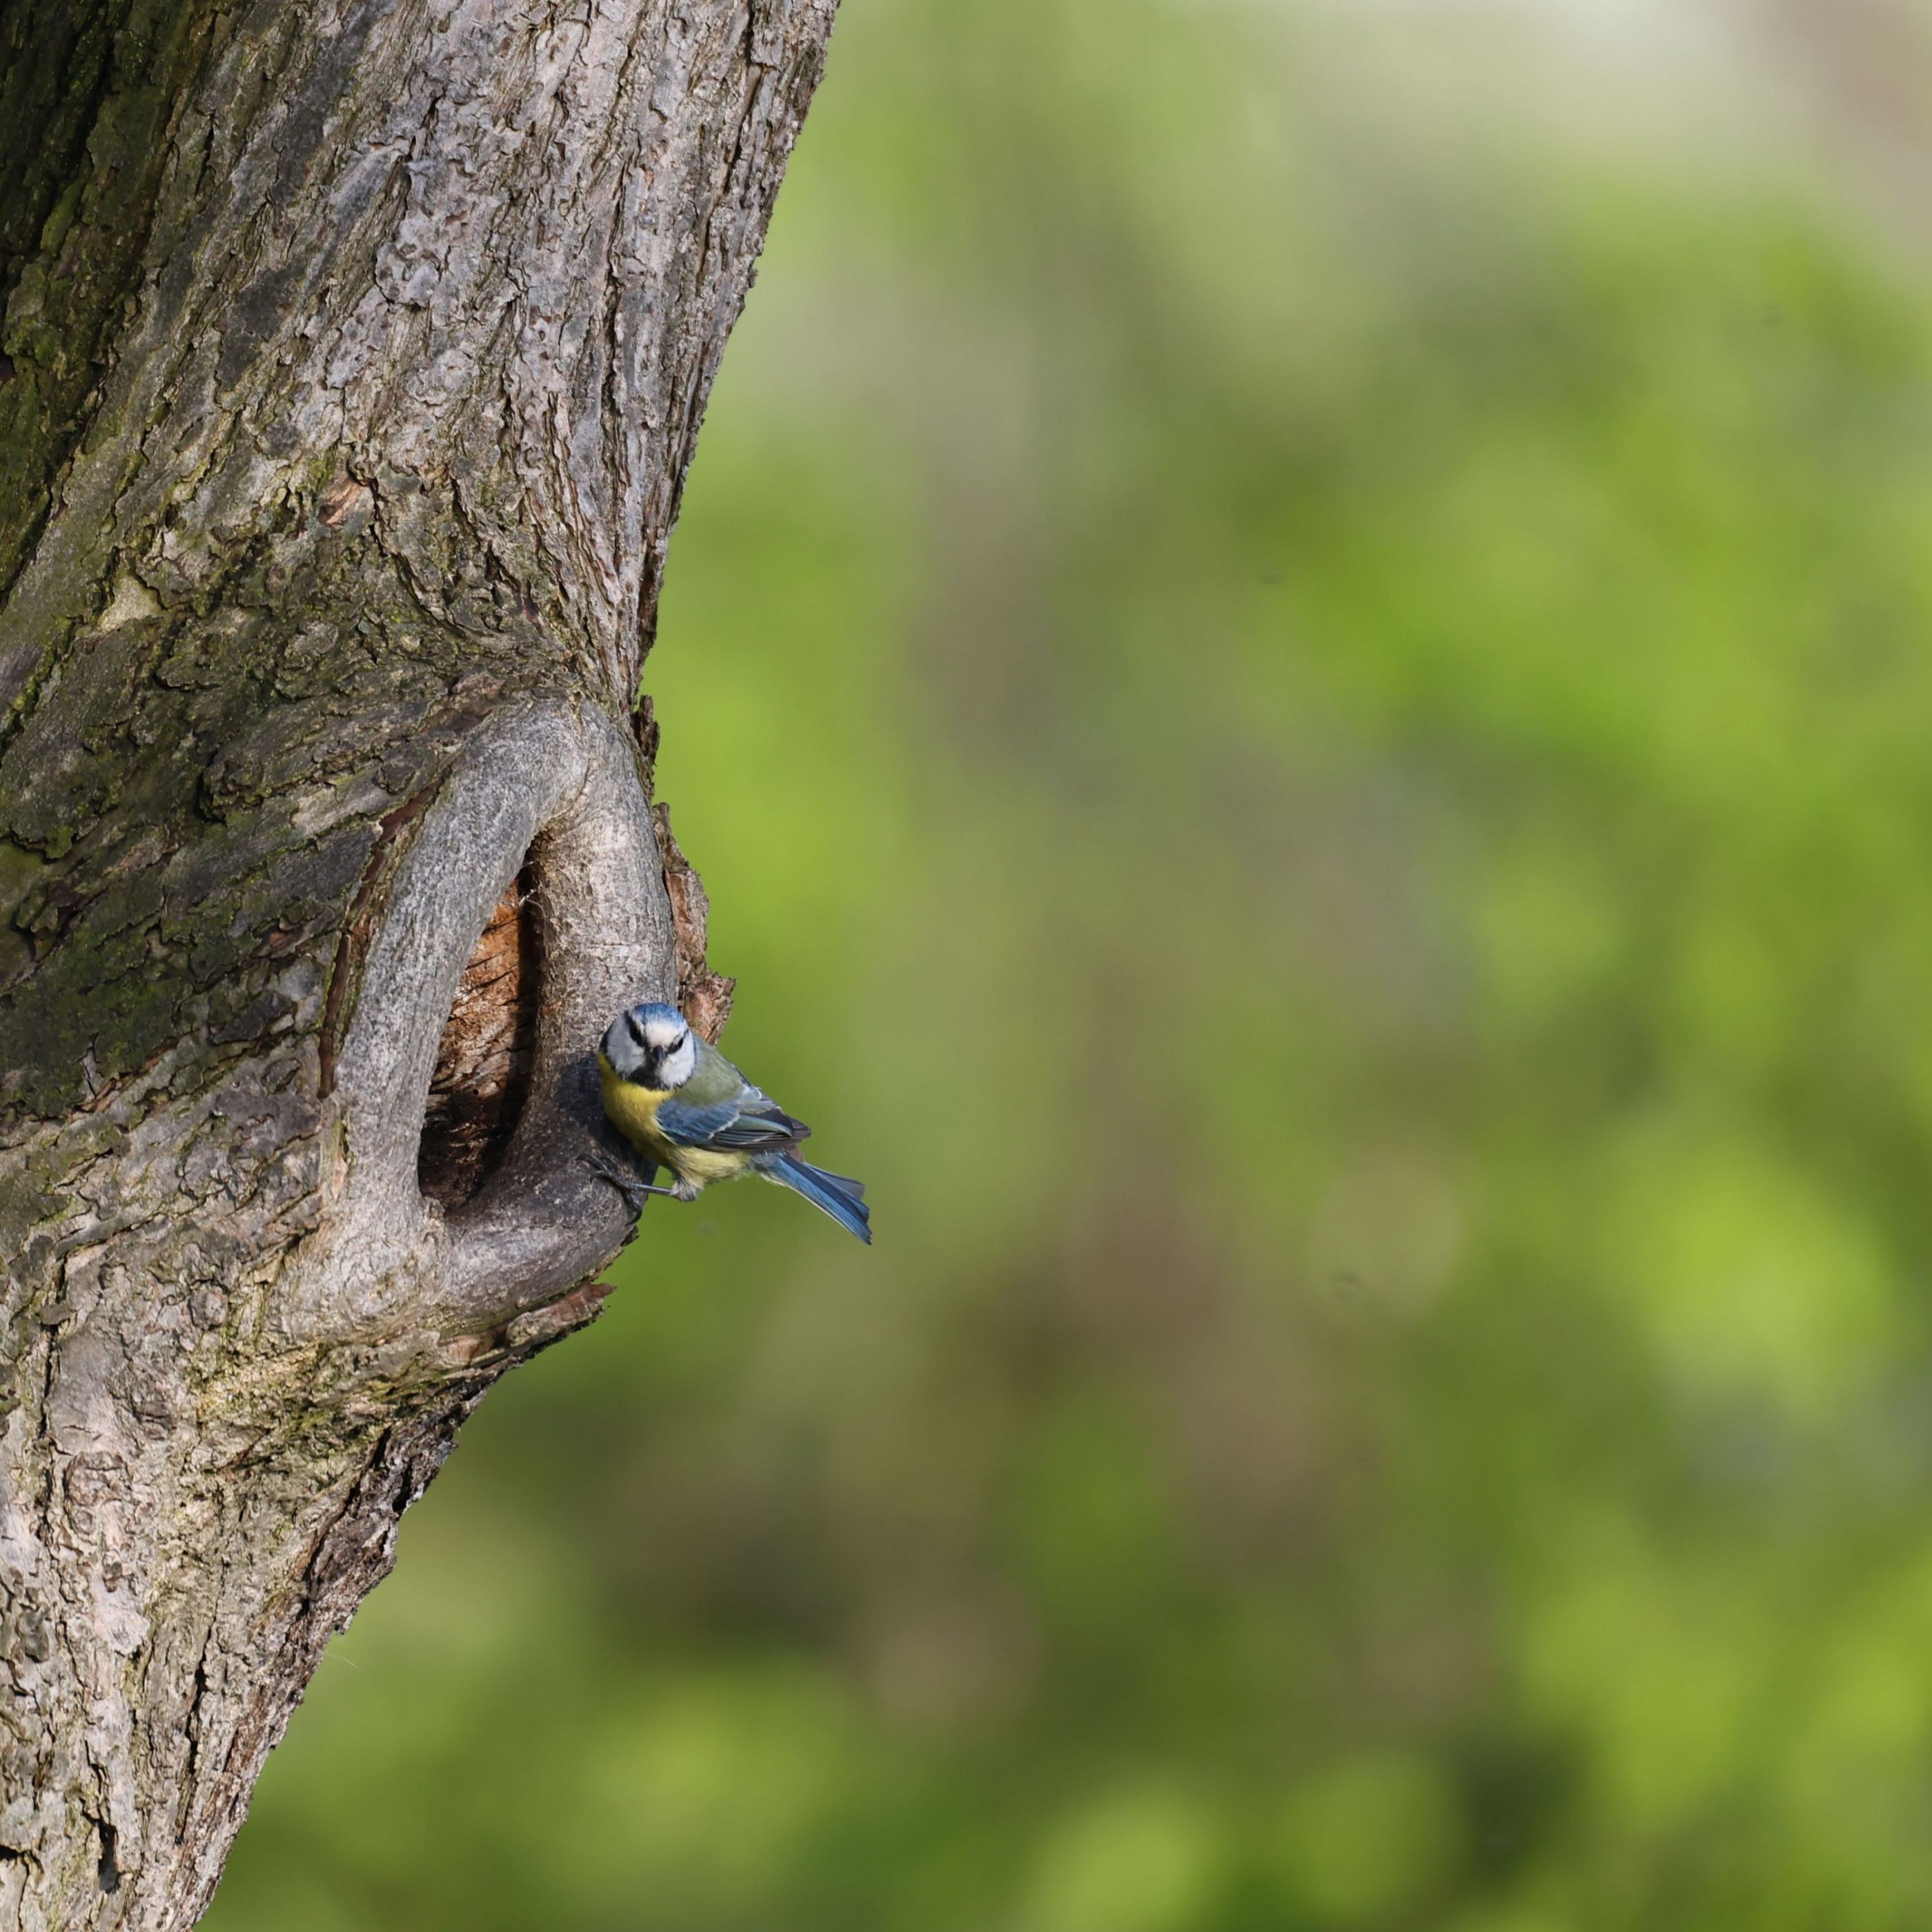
351	358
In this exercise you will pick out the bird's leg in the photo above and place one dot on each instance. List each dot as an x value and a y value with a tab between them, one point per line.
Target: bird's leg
626	1183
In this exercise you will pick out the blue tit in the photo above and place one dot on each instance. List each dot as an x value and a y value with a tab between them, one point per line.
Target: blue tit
683	1105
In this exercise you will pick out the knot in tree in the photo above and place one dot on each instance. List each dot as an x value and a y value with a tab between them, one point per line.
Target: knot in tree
353	354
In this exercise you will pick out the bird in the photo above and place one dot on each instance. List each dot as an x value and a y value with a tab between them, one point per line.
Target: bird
681	1104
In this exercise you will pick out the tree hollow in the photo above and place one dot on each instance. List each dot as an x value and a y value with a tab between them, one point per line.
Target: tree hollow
483	1061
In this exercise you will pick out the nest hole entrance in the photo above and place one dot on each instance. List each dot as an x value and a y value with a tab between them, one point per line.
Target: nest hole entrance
484	1061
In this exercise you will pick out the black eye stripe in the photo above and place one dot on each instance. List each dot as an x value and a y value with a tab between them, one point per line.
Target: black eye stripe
636	1032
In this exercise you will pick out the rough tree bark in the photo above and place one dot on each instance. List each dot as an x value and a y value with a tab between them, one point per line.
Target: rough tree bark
353	353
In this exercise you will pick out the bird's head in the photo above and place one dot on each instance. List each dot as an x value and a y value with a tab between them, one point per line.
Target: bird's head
651	1045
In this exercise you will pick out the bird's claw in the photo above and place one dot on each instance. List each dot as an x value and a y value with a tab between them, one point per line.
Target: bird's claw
626	1183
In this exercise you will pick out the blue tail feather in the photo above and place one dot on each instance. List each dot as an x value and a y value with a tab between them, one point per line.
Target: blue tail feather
843	1199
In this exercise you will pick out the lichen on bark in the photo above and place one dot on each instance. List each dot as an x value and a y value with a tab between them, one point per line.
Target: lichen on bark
353	355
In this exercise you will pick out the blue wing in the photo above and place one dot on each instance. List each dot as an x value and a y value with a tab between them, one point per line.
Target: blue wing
749	1119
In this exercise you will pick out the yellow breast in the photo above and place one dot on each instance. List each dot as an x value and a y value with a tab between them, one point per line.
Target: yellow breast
634	1111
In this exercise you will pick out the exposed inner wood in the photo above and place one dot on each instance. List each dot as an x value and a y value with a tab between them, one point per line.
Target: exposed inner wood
703	997
483	1064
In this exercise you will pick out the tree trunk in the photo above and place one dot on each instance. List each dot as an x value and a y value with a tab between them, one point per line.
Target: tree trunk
354	351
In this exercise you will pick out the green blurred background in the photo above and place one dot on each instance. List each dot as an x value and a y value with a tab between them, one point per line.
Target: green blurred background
1297	662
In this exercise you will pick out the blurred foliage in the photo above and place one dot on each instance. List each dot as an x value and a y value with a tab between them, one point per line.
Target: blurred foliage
1305	706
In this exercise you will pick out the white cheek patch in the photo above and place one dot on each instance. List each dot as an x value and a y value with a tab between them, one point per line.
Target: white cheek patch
678	1067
